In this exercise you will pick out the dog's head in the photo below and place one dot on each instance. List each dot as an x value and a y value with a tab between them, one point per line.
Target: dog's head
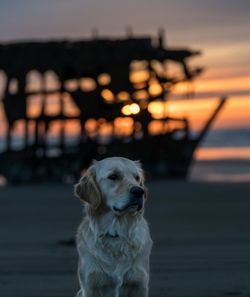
114	183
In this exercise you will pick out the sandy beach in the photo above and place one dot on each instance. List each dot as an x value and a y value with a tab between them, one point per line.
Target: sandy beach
200	232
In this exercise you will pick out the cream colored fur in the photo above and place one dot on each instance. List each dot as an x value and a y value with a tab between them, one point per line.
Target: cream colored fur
113	240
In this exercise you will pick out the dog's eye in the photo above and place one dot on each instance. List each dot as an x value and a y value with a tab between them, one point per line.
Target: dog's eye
137	177
113	176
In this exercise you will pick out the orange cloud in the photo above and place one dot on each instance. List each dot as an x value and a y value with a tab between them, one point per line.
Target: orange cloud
235	113
222	85
222	153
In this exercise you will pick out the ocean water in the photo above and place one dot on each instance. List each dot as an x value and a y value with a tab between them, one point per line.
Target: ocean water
227	138
223	156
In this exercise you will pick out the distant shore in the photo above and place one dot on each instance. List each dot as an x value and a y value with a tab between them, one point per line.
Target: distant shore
228	170
212	171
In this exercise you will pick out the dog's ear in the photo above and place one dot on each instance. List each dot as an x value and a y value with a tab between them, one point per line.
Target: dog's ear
142	177
140	171
87	189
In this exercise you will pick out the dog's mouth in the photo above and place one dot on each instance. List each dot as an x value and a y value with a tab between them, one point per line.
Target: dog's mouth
131	207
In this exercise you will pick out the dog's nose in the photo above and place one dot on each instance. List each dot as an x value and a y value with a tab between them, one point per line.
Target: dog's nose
137	191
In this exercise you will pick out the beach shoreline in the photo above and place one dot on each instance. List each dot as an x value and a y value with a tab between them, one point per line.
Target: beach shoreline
200	232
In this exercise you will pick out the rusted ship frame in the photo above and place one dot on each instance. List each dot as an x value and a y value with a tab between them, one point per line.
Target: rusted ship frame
164	154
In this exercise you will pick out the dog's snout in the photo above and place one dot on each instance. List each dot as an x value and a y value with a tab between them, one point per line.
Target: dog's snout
136	191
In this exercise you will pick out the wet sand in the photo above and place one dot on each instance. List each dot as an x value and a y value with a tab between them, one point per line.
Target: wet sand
201	234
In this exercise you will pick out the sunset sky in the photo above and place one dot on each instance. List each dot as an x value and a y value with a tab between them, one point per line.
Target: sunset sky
219	28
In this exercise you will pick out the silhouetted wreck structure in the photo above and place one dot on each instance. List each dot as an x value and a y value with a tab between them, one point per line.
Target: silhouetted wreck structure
75	101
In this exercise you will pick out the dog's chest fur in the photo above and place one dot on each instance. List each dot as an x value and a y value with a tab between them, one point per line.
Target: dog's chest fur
115	243
121	242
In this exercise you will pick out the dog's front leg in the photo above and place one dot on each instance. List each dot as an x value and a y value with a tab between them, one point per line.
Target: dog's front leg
138	289
109	291
98	284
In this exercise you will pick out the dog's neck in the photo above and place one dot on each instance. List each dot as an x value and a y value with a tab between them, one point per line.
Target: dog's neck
109	235
113	226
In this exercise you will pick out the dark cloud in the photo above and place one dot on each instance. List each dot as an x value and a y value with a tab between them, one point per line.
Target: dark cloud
195	19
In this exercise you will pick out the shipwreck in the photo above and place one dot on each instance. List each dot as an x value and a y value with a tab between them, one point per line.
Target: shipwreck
75	101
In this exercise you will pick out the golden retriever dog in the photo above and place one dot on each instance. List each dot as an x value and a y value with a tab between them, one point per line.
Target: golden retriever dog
113	240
